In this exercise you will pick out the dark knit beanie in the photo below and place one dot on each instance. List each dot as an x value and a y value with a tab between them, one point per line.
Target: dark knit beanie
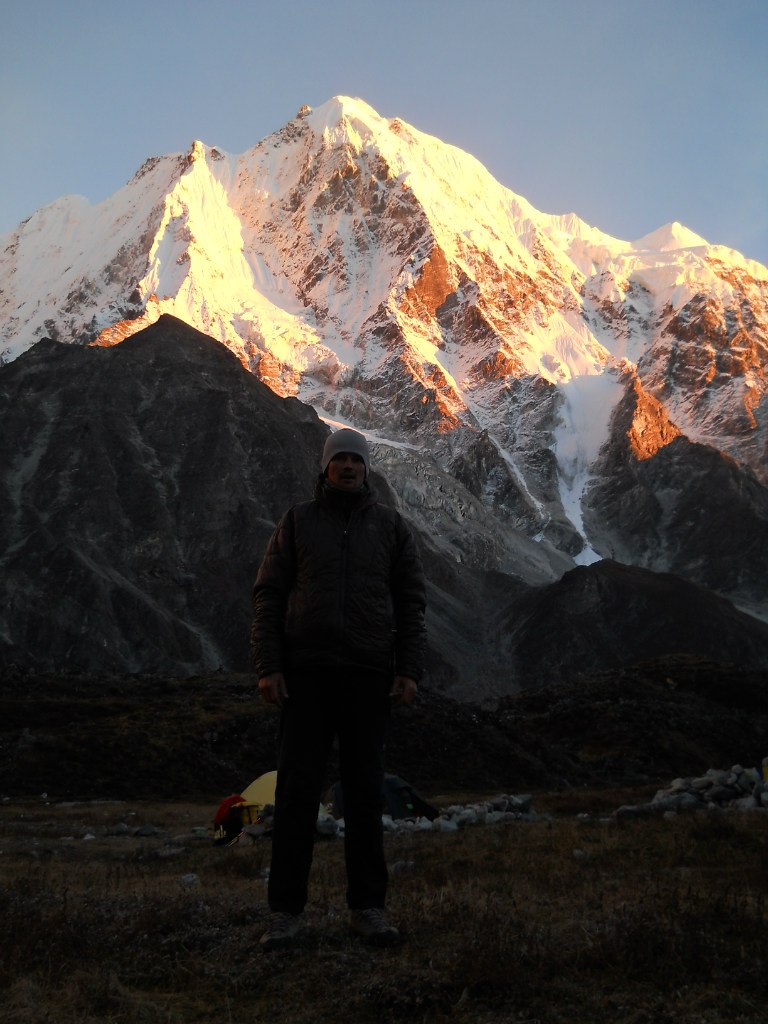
346	440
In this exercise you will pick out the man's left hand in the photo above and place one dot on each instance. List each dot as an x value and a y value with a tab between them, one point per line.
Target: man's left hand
403	690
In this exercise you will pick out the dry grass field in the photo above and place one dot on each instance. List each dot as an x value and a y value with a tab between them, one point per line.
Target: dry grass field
577	919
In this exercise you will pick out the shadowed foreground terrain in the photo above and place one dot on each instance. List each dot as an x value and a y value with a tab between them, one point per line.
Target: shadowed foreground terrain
574	919
117	907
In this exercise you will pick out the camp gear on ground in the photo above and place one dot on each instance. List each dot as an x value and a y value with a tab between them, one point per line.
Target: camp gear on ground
400	800
252	807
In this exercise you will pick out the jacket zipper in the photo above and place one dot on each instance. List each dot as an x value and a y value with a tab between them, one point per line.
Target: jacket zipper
343	585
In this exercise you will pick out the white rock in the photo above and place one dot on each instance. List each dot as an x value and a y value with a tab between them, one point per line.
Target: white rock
326	825
703	783
747	803
494	817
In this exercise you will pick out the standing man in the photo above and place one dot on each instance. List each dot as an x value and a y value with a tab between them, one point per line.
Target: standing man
338	634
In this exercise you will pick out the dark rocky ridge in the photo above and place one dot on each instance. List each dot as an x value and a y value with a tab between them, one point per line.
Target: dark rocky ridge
83	737
139	484
608	616
661	502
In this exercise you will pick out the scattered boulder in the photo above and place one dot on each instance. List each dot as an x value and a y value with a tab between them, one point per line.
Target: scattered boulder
737	788
503	809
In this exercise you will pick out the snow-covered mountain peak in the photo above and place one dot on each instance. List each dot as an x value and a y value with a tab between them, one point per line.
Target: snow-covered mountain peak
669	238
388	279
198	151
341	110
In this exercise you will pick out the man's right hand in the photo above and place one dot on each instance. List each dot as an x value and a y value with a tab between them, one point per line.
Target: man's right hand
272	688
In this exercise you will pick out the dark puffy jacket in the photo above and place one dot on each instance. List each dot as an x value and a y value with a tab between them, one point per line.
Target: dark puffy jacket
340	585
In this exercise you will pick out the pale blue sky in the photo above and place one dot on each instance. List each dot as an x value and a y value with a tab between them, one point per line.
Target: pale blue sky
631	113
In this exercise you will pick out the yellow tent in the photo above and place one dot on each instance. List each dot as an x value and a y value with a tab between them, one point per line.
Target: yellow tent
261	791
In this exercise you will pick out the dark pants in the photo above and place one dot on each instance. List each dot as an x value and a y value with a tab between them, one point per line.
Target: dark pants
353	706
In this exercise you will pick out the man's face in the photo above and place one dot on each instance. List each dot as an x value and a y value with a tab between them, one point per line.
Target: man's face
346	470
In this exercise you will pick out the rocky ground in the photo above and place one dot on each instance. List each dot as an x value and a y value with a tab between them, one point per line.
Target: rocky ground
118	908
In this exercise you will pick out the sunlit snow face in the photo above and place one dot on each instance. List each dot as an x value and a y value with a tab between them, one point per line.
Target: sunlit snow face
346	470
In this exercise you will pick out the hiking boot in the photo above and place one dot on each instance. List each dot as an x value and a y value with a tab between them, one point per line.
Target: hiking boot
372	927
281	931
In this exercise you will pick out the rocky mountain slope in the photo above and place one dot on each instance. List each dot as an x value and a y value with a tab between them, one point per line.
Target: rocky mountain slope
138	487
539	395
